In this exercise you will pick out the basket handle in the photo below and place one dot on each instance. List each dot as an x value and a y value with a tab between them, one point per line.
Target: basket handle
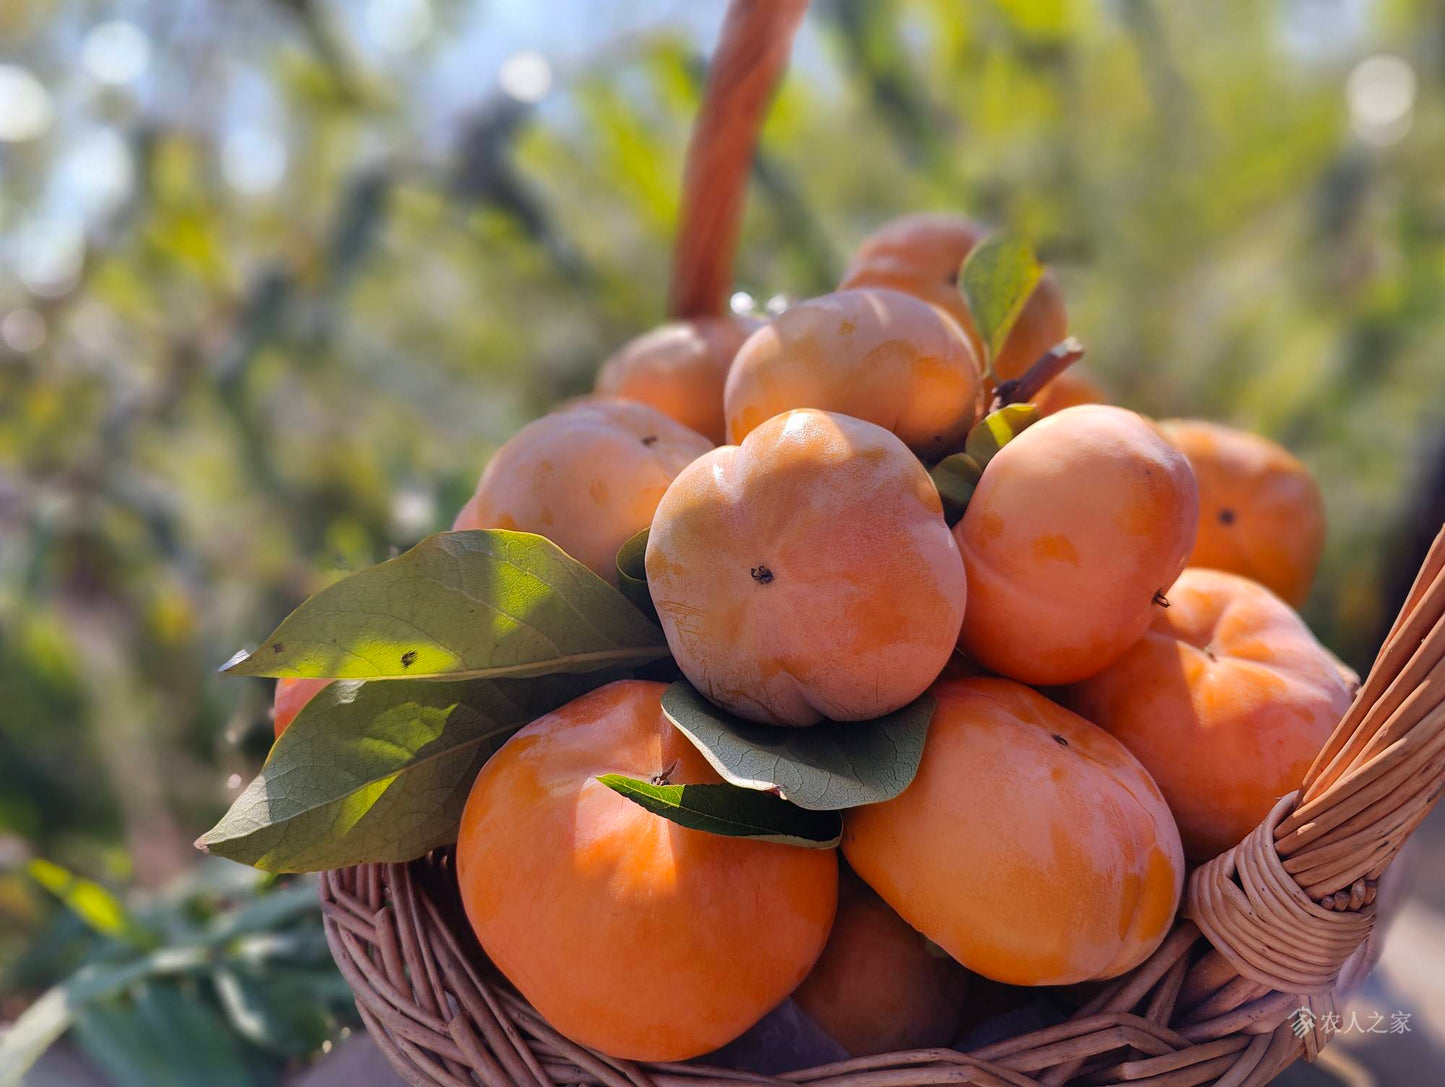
1289	904
751	53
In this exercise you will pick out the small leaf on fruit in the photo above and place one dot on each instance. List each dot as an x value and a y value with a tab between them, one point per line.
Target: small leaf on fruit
377	772
632	573
824	767
996	279
733	812
460	605
955	477
997	429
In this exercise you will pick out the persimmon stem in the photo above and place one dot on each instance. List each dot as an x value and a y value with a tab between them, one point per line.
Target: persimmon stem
1050	365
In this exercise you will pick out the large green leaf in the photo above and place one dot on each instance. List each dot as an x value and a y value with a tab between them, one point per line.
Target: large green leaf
733	812
997	277
458	605
377	771
824	767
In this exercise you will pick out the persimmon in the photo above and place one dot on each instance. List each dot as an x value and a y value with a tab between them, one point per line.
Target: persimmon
877	355
1260	511
629	933
588	478
807	573
880	986
1068	390
1075	529
1032	846
1226	701
292	694
679	369
922	254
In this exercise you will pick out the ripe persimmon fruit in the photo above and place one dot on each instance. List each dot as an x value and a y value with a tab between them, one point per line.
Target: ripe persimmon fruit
878	355
1032	846
679	369
1226	700
1261	513
1068	390
587	477
922	254
1074	531
292	694
629	933
807	573
880	986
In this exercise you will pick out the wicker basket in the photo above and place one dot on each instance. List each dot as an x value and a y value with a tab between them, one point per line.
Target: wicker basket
1278	924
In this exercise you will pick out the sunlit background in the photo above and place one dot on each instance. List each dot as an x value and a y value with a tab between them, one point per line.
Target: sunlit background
276	276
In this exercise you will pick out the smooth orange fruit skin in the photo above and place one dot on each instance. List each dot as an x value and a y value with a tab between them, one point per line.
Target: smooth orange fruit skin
1068	390
680	369
291	697
629	933
1032	847
879	986
877	355
807	573
1075	525
1226	700
588	478
1261	513
922	254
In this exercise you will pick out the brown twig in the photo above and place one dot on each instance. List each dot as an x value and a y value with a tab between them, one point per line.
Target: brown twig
1050	365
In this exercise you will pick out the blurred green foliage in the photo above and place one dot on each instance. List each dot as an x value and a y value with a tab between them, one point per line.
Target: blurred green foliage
245	388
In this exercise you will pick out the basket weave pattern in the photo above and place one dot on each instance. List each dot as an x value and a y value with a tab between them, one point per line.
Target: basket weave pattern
1282	922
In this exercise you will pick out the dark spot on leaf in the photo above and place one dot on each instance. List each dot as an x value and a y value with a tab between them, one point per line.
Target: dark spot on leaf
761	574
1161	599
651	439
277	647
1226	517
1060	740
408	658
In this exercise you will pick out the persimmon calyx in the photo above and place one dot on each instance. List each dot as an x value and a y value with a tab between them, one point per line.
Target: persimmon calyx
956	477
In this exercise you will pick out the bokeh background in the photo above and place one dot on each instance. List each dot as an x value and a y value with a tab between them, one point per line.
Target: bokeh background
276	276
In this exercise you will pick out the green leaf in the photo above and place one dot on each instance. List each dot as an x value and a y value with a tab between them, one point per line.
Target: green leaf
632	573
733	812
997	277
996	429
276	1008
162	1034
459	605
824	767
377	771
955	477
43	1023
265	913
89	901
